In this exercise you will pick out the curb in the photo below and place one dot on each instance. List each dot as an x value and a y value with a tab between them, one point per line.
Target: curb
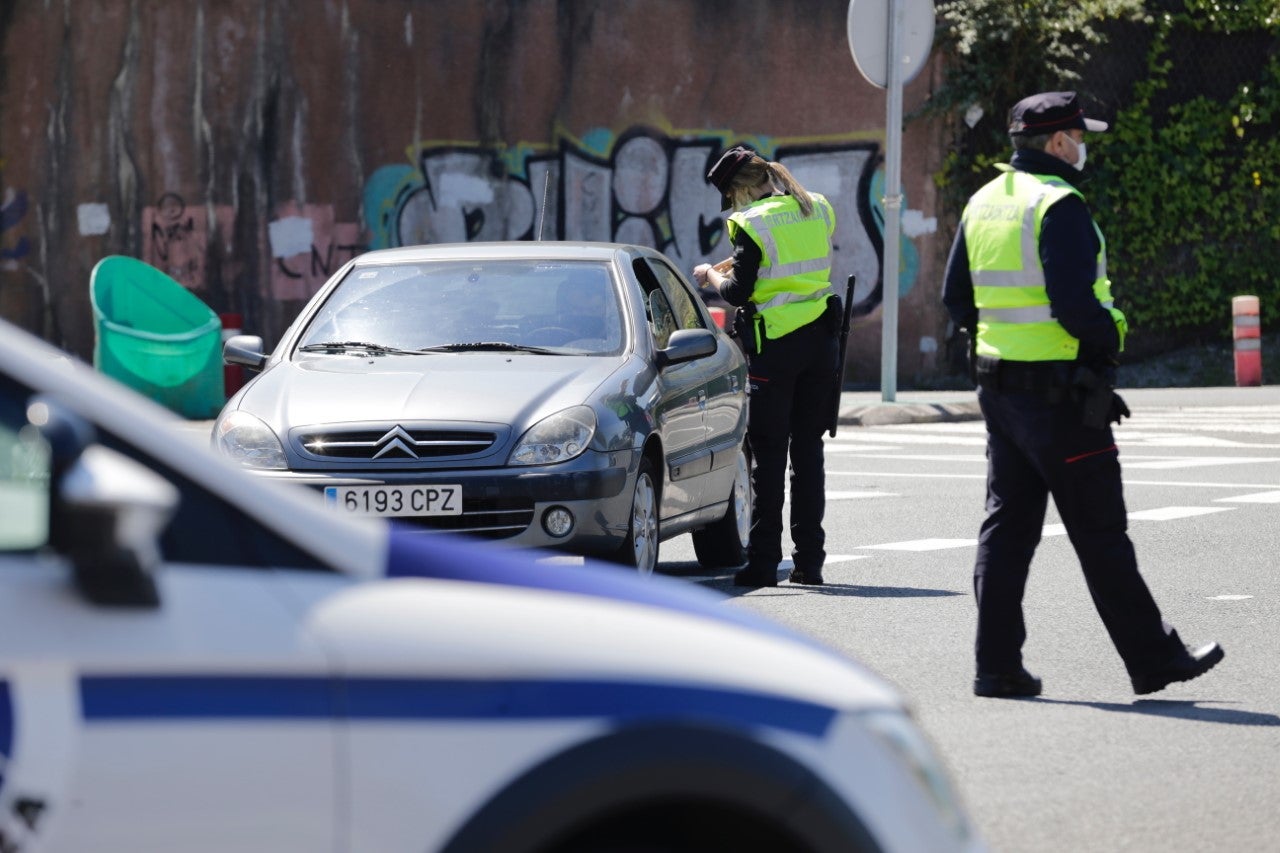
885	414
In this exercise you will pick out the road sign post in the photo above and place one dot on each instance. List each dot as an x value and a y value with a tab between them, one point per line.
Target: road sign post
890	40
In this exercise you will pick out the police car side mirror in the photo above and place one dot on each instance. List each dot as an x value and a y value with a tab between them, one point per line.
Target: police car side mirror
687	345
106	511
245	350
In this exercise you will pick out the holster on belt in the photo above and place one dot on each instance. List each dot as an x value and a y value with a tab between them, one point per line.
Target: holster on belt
1095	388
744	328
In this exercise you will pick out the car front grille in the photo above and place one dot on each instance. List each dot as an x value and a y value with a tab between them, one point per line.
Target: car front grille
396	444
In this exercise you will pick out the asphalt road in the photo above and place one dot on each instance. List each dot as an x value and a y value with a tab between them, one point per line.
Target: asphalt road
1088	766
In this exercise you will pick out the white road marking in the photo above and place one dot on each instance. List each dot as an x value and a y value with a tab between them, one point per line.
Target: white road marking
918	457
1256	498
845	496
874	474
1168	513
1171	513
1228	597
923	545
1168	463
1188	484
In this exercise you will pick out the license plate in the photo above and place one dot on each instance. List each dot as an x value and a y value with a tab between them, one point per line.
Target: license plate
395	500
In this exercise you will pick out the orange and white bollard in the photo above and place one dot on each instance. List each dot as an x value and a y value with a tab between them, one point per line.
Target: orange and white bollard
1246	331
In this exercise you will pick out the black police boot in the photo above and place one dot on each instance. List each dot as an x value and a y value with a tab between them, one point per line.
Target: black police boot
1006	685
756	576
1184	667
808	577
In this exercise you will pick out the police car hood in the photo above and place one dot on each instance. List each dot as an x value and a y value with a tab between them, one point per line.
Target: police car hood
490	387
466	614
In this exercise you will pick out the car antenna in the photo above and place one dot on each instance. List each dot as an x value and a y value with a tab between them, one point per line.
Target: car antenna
542	218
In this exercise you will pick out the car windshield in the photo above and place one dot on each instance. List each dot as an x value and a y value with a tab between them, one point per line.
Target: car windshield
520	306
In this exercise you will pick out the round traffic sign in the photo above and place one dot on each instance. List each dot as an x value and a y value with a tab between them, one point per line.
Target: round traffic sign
868	29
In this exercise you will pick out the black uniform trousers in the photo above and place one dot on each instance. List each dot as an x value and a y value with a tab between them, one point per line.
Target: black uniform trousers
1036	447
791	383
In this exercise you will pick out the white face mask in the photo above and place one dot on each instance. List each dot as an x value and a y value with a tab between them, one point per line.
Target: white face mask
1082	150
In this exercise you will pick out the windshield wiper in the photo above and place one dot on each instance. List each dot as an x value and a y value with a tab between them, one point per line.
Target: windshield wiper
343	346
494	346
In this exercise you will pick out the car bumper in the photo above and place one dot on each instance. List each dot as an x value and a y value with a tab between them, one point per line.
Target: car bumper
509	504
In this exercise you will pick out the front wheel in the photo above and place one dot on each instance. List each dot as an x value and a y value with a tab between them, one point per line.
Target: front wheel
723	543
640	550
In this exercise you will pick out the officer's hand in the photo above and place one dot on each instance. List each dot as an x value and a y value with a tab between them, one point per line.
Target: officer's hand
700	274
1119	411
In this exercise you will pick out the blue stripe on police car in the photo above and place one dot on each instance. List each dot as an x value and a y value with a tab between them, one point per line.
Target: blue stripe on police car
148	697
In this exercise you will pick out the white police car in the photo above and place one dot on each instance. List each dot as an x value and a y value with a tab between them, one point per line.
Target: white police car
262	676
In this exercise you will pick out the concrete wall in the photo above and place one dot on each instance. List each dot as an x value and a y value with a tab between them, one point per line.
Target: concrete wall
250	147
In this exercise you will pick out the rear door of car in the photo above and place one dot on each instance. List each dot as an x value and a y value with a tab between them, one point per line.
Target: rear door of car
203	723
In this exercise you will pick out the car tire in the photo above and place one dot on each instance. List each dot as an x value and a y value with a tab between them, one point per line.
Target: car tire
723	544
640	550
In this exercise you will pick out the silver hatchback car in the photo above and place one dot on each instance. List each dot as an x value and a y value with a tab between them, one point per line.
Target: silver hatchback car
571	396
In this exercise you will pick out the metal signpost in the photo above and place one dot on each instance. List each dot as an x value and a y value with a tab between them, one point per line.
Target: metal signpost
890	41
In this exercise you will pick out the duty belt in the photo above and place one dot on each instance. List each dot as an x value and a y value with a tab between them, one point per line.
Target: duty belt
1026	376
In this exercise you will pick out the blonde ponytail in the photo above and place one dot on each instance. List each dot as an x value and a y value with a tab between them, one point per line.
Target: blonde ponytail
782	177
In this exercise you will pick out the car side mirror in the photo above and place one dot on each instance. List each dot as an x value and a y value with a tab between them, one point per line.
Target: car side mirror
245	350
687	345
106	513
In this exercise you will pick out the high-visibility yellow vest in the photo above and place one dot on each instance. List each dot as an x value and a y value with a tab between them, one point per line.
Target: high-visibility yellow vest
1002	224
795	266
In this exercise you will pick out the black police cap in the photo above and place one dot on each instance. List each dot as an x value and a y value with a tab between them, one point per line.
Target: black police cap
729	164
1049	112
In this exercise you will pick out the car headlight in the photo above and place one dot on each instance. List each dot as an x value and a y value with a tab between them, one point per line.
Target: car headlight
556	438
249	441
899	733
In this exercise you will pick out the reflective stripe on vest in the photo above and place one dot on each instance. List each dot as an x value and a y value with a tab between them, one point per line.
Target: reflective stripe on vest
794	279
1002	225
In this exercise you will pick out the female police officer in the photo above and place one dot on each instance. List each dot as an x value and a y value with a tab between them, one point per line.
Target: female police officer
781	279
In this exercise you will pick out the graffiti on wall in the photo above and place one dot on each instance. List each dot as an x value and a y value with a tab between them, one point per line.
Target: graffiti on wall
175	237
307	246
643	186
13	209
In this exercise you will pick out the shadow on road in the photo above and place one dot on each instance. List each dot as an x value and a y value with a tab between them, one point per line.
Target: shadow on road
1179	709
724	583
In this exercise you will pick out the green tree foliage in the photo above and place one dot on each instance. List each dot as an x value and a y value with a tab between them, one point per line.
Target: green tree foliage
999	51
1189	198
1186	187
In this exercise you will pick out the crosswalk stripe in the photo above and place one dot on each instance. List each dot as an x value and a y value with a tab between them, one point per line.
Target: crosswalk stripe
1168	513
1172	513
1256	498
923	545
1174	462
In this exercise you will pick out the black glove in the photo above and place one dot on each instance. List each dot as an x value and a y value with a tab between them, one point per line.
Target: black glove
1119	411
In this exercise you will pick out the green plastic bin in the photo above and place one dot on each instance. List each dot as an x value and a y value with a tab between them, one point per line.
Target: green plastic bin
157	337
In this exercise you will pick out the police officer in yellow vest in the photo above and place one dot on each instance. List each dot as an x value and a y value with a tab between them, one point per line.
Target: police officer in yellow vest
1027	279
781	279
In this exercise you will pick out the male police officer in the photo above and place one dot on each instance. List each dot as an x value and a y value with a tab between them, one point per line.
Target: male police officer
1027	279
